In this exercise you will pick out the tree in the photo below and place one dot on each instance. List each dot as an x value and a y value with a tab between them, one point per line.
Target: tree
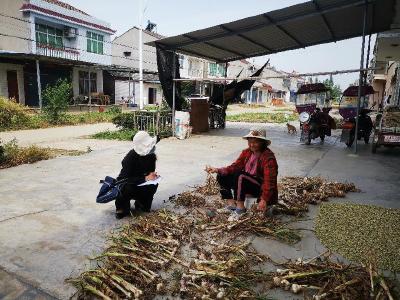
56	99
336	91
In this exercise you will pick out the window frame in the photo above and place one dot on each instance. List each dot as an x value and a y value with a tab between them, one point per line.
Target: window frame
95	42
49	36
83	79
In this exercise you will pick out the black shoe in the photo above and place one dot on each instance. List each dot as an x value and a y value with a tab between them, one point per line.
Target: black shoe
137	212
120	215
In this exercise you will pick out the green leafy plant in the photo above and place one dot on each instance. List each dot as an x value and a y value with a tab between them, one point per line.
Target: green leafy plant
120	135
124	120
262	117
336	91
114	110
56	99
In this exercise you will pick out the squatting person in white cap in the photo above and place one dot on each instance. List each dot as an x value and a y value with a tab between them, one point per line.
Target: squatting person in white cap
255	172
138	166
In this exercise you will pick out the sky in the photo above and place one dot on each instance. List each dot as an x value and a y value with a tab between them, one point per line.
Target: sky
174	17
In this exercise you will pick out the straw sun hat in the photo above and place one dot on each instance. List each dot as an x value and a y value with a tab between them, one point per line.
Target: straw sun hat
143	143
258	133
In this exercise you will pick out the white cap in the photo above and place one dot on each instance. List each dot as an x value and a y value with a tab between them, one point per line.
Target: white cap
143	143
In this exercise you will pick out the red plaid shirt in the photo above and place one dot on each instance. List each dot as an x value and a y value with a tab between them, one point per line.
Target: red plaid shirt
267	170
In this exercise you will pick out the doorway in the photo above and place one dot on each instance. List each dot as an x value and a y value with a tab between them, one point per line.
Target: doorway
152	95
12	82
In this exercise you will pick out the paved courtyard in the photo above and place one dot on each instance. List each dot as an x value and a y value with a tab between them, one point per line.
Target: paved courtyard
50	223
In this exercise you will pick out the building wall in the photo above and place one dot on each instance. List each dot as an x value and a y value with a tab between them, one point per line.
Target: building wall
14	27
4	84
146	87
124	90
379	87
192	67
77	44
131	39
130	91
389	87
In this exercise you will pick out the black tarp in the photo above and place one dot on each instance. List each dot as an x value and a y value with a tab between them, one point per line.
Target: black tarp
165	72
233	90
312	88
352	91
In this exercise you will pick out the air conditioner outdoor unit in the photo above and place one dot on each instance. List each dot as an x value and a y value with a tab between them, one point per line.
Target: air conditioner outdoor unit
70	32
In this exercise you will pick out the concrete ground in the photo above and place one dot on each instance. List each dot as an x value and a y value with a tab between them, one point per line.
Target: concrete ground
50	223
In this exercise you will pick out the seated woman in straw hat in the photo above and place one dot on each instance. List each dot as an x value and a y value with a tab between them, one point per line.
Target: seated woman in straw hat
255	172
138	166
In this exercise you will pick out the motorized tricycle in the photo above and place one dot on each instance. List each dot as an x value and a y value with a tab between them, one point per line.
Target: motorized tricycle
387	128
348	110
314	123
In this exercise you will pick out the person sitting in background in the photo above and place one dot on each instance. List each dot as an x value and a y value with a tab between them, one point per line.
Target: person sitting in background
138	166
255	172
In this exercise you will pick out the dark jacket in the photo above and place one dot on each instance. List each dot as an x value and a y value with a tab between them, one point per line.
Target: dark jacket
136	167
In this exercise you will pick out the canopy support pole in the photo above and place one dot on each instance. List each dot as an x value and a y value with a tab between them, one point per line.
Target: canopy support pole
173	91
360	82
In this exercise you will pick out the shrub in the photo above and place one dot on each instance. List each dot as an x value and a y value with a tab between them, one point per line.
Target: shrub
114	110
56	99
124	120
151	107
121	135
12	115
13	155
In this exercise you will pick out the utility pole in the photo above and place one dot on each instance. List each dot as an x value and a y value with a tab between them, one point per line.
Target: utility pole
141	102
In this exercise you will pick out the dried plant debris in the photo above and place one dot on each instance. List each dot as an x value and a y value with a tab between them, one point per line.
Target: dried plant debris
296	193
211	186
189	199
361	233
201	253
130	266
255	224
224	271
321	278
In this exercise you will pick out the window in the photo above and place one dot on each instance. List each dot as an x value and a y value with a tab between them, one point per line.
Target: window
216	69
221	70
212	69
95	43
84	82
50	36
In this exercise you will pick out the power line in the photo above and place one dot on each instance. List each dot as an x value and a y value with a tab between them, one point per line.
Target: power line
299	75
78	49
113	43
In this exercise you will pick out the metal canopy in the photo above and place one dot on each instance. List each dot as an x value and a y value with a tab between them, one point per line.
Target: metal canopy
298	26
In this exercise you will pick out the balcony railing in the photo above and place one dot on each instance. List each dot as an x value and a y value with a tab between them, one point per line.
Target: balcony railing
57	52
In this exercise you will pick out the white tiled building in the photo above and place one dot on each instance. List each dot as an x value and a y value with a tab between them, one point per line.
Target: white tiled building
65	41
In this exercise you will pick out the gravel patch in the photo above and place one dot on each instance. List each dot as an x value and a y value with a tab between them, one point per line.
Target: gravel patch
361	233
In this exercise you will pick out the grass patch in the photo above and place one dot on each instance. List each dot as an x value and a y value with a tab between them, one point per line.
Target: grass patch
38	121
120	135
361	233
252	105
12	155
288	109
262	117
124	134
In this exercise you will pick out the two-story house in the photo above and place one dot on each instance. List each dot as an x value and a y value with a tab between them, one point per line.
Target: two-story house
123	77
385	79
47	40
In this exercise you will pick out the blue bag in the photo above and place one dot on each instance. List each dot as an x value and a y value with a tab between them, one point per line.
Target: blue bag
109	190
